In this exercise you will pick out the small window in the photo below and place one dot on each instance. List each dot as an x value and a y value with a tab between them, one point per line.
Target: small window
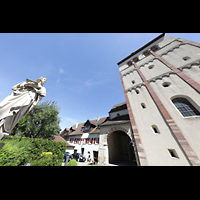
92	140
186	58
146	53
151	66
129	63
173	153
137	91
155	48
143	105
155	129
135	59
133	81
166	84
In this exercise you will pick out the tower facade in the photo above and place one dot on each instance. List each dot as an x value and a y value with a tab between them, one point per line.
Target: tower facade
161	83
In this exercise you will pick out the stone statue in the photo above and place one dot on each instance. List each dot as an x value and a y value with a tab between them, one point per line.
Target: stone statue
14	107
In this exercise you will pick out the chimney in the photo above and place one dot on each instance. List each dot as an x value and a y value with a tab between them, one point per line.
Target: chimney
76	125
98	118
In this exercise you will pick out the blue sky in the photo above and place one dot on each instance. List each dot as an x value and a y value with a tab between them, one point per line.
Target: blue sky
81	68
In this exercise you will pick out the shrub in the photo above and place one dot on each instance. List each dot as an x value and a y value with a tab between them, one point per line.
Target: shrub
18	151
72	163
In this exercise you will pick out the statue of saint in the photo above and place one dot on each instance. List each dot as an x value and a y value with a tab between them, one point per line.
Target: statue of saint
14	107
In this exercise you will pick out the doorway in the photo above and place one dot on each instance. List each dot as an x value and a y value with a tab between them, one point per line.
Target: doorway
95	156
82	151
120	149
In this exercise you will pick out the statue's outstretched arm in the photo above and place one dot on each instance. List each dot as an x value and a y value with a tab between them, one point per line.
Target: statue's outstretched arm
16	87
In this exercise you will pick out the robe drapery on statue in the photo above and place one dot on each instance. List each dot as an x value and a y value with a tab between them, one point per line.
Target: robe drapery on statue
14	107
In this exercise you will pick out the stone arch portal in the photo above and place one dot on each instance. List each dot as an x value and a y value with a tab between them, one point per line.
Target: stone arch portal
120	149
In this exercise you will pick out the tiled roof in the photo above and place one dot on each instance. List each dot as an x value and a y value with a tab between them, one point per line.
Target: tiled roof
116	120
58	138
117	107
94	128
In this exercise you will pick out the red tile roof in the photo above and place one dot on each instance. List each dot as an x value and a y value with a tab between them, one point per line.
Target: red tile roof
58	138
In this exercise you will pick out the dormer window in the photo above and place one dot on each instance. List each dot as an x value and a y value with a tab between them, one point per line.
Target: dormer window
88	127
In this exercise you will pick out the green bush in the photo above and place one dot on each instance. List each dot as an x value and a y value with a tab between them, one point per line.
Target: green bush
18	151
72	163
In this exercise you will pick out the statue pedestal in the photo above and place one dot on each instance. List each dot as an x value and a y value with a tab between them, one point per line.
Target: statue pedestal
2	134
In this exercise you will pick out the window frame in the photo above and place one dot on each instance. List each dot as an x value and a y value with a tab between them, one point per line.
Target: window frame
187	110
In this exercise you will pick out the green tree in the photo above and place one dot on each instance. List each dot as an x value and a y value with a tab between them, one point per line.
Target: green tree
41	122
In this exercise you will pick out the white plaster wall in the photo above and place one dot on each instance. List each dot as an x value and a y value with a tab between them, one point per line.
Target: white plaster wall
175	57
159	68
130	77
167	40
121	112
189	126
87	147
193	72
155	145
168	47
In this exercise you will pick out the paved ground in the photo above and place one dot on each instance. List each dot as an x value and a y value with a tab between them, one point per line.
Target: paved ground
79	164
116	164
82	163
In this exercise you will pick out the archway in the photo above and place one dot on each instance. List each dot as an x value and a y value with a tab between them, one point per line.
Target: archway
120	149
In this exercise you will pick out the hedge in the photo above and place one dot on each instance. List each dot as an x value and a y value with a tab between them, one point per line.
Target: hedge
18	151
72	163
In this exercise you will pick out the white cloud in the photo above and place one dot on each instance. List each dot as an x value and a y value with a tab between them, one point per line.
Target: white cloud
61	71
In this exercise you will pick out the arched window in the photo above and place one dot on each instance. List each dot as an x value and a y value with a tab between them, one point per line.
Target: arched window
137	91
155	129
143	105
185	107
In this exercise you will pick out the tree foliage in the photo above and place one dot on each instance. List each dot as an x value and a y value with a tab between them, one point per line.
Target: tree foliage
41	122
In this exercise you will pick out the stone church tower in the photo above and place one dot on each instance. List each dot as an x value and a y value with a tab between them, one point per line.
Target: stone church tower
161	83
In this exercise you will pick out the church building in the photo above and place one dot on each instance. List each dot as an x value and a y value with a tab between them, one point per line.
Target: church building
161	84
